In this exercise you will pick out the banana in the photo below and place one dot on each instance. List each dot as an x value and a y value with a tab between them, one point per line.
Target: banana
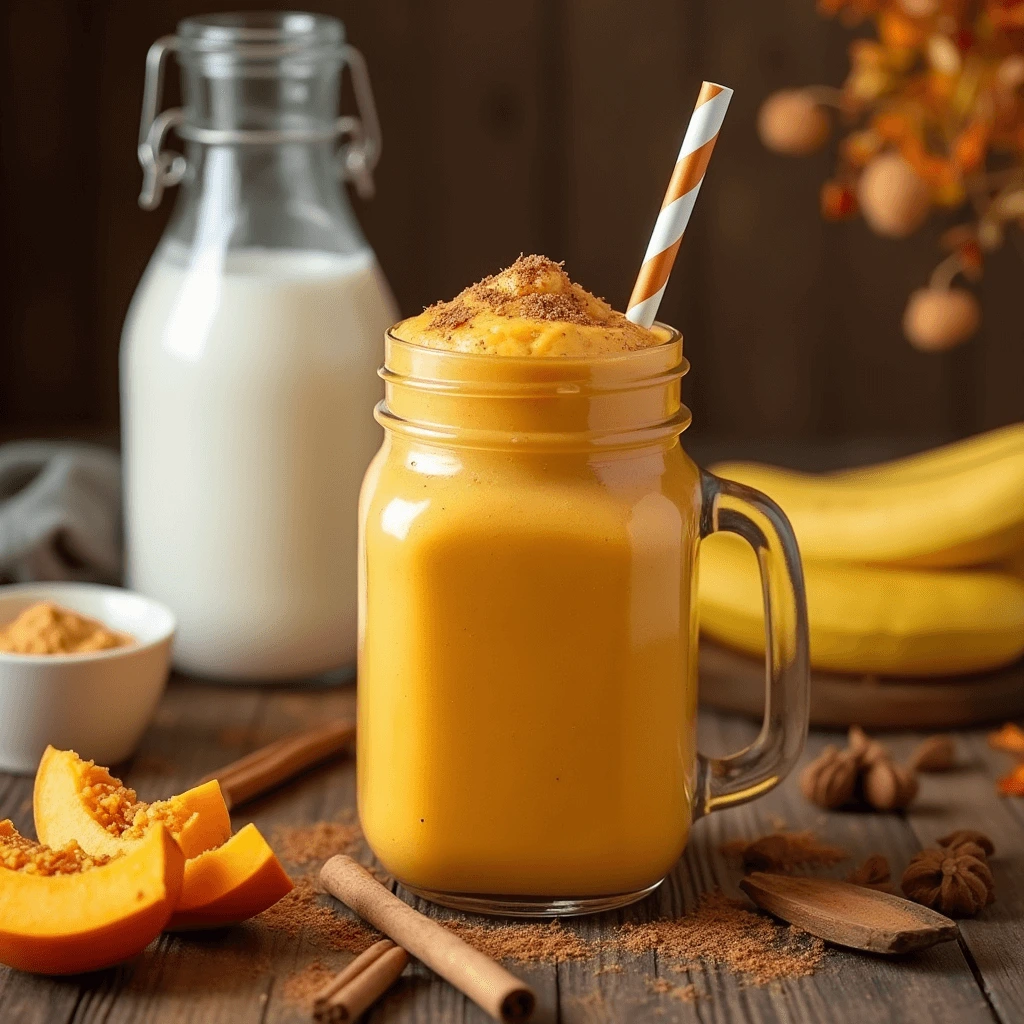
931	463
957	506
871	619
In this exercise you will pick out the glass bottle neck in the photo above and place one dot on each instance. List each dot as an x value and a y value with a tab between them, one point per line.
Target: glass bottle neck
262	167
226	92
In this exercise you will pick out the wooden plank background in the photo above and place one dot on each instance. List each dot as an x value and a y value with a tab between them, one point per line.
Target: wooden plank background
549	125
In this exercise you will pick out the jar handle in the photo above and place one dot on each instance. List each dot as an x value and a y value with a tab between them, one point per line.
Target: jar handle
727	781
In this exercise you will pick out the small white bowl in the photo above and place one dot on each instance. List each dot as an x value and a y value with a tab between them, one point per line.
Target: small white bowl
97	704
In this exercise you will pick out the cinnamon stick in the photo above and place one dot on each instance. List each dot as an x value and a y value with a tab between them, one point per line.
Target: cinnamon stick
279	761
360	984
489	985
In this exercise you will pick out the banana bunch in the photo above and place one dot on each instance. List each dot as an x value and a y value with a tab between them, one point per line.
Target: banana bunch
913	567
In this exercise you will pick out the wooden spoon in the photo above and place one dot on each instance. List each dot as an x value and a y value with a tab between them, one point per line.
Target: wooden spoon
849	915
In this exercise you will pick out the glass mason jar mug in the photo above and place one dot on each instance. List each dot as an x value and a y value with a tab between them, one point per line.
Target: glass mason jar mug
529	535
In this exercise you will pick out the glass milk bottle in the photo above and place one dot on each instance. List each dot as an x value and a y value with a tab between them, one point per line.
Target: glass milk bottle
249	355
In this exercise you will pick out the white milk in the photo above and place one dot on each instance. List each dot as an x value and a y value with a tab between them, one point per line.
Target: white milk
248	393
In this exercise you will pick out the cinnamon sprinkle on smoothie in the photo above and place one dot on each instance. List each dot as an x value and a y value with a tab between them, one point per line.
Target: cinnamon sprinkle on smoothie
532	308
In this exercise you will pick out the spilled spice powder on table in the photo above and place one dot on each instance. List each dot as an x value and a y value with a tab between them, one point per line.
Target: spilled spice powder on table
782	852
307	844
684	993
534	943
724	931
720	930
301	912
593	1004
302	986
207	963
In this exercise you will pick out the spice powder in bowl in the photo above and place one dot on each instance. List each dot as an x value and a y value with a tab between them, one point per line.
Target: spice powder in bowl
47	628
82	667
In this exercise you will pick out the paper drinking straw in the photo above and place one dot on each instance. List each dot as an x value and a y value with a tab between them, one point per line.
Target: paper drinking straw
698	144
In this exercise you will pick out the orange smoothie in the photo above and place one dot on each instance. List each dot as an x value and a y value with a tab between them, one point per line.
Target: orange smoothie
527	690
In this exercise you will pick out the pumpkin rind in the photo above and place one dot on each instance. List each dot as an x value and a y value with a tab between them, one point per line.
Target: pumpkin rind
230	884
70	923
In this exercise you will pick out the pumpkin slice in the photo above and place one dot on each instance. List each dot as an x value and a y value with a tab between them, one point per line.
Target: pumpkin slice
78	800
63	911
230	884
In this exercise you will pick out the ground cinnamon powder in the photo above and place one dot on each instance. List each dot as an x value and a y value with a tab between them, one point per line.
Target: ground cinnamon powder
307	844
720	930
531	308
536	943
534	287
302	986
782	852
684	993
724	931
301	912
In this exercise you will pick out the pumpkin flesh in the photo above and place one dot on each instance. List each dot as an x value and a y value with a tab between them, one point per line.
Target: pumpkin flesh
230	884
76	800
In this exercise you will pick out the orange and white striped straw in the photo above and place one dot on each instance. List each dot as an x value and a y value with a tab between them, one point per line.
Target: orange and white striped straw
694	155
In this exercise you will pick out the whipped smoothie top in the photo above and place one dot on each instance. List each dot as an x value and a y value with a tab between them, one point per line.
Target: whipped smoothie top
530	309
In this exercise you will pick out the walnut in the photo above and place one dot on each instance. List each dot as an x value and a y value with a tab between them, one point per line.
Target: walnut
889	786
935	754
866	750
958	883
865	771
873	873
956	839
830	779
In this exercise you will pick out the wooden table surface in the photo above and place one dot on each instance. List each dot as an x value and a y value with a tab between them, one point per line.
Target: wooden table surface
240	975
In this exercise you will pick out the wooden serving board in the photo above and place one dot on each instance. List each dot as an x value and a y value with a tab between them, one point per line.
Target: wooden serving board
735	682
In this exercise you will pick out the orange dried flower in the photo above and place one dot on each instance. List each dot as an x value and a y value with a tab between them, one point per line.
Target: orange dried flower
1007	16
859	147
940	87
971	258
1012	784
938	84
892	127
970	146
898	31
838	201
1010	738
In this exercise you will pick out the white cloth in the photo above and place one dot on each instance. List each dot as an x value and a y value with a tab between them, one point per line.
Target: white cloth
60	512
